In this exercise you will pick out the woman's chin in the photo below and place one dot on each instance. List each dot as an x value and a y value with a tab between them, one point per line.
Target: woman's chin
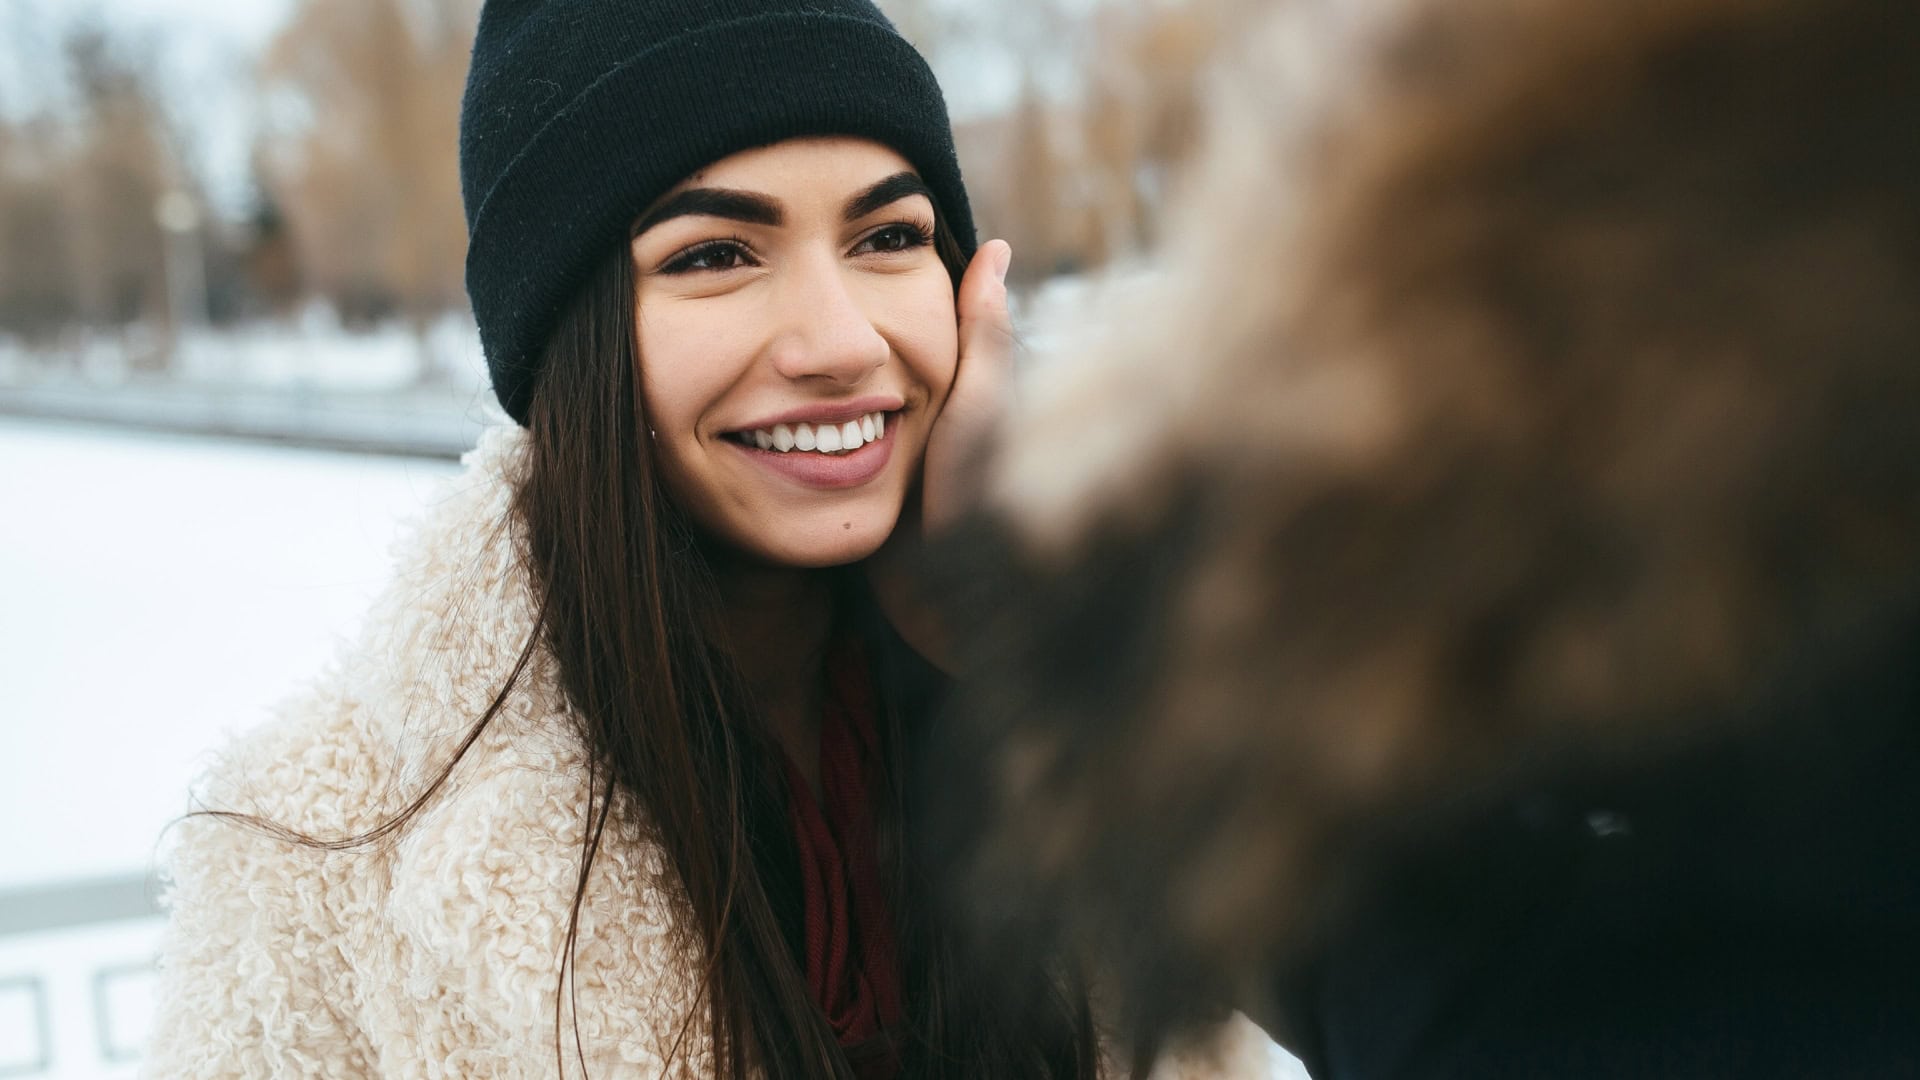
835	543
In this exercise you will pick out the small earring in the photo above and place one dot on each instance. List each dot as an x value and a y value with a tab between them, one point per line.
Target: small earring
652	434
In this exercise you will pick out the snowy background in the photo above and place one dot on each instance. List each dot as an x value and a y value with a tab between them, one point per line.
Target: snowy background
160	591
227	374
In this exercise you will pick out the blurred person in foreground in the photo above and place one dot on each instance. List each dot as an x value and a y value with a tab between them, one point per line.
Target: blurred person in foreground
1473	625
610	782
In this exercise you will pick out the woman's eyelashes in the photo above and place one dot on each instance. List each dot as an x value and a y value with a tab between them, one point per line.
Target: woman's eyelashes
733	252
728	254
897	236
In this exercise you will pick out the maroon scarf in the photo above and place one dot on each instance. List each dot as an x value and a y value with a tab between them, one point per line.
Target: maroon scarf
851	964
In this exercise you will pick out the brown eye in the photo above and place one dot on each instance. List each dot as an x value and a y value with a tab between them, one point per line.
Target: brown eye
896	237
712	255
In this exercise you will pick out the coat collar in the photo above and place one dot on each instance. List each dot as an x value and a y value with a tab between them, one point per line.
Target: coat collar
482	882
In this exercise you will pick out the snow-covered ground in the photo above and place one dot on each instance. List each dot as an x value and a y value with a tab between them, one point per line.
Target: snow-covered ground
156	593
160	591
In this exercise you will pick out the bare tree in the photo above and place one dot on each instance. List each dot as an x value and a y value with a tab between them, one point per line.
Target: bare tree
38	279
1077	171
120	171
361	151
82	169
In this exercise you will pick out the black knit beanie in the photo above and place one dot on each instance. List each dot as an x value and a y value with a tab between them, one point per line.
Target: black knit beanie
580	113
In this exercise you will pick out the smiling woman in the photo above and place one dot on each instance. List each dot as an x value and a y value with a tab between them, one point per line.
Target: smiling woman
788	297
614	781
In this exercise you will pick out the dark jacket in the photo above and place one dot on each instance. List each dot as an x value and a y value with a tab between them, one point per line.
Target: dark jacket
1749	907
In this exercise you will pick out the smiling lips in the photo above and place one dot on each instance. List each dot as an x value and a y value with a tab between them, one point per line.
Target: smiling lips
817	438
841	454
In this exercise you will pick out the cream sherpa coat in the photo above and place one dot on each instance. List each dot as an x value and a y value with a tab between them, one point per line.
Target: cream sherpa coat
435	956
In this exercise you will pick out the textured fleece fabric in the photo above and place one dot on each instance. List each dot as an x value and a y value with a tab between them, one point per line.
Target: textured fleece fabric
436	955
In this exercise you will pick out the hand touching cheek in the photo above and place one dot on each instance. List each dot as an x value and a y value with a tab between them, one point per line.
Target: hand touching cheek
978	398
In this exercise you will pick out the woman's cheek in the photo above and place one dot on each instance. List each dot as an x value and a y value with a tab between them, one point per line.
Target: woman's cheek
934	354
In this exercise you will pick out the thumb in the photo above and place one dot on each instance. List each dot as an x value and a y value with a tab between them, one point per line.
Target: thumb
977	398
986	330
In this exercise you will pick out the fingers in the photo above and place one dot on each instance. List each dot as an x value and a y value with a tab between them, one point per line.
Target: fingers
986	330
977	397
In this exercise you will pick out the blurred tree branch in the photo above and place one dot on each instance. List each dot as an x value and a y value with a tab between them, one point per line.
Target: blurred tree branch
1076	172
361	153
81	173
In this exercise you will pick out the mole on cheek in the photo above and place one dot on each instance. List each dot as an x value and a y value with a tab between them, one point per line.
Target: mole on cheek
847	525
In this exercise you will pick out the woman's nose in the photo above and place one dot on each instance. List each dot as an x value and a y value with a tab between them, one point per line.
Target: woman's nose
825	331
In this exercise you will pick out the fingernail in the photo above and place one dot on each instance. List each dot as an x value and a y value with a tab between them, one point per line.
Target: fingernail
1001	262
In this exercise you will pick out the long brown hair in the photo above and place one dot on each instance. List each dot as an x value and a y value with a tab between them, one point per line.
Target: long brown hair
627	607
629	612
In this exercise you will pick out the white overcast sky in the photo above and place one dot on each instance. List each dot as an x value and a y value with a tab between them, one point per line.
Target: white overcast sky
247	23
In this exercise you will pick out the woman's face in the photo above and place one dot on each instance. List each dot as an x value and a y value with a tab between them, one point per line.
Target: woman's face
790	306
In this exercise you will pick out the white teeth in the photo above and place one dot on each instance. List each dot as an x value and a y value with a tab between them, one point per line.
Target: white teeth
825	438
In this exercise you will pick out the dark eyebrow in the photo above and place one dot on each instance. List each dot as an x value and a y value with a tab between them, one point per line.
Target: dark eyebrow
714	202
891	190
